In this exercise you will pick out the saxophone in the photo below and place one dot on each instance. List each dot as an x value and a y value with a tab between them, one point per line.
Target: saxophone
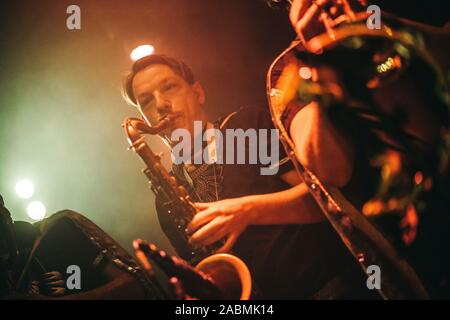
391	49
228	270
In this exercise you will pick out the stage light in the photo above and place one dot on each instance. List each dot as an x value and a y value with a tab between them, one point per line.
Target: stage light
24	189
36	210
305	73
141	51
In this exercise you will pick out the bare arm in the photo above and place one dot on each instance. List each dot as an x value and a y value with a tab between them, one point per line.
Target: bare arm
291	206
320	147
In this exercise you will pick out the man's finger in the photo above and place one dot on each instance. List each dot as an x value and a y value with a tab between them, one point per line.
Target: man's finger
296	9
201	218
52	276
306	17
57	283
57	291
202	205
206	231
216	236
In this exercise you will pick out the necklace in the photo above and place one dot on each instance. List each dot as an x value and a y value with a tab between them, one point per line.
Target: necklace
204	181
200	180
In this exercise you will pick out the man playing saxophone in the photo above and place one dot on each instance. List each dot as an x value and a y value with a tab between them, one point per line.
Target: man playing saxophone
275	228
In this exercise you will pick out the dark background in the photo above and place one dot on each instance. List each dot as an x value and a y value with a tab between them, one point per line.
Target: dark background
60	101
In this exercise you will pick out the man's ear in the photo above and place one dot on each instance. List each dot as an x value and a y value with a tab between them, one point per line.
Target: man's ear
199	93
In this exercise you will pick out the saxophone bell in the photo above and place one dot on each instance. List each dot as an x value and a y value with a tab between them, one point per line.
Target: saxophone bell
220	276
229	273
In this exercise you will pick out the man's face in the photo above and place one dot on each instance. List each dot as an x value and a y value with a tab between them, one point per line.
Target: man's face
159	91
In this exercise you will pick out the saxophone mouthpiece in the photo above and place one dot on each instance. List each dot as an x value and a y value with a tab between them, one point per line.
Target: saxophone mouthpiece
160	126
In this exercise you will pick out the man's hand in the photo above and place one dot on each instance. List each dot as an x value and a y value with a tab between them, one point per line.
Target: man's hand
304	16
227	219
222	219
298	8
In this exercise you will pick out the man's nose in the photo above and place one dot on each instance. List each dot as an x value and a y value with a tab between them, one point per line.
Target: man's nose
163	105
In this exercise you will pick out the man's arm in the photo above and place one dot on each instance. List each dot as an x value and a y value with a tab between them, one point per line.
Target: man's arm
320	147
230	217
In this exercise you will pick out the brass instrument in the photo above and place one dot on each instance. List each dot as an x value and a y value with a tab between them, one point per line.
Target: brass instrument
388	52
224	268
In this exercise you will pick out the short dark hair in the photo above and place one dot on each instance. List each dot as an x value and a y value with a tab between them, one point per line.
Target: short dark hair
178	66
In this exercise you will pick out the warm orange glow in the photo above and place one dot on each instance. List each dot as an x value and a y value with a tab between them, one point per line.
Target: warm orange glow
418	177
409	224
393	204
428	184
373	207
141	51
305	73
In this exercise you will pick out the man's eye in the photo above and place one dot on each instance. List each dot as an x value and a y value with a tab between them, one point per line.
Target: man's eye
169	86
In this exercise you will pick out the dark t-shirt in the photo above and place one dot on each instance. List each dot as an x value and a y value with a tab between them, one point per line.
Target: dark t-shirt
286	261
